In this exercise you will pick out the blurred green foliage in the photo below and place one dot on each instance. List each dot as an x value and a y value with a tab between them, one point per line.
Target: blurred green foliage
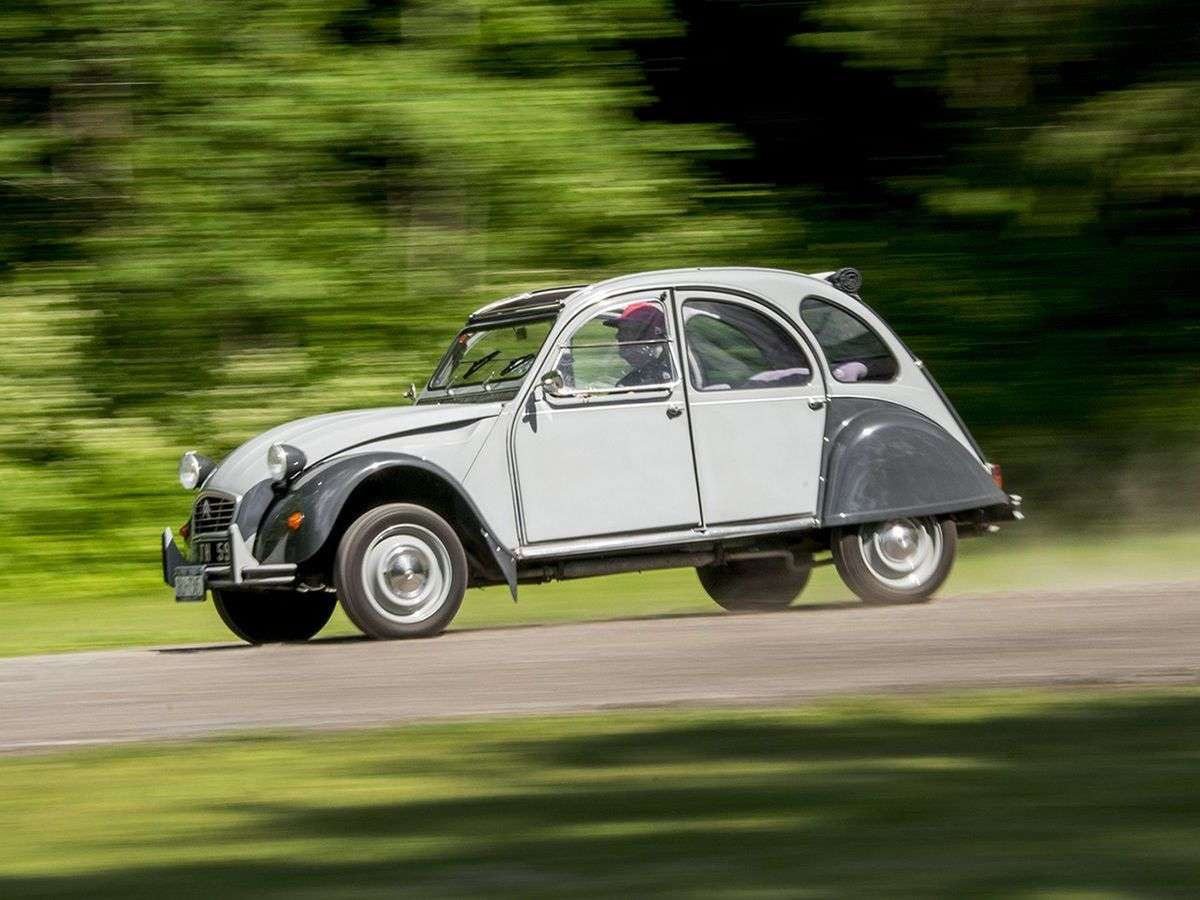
220	215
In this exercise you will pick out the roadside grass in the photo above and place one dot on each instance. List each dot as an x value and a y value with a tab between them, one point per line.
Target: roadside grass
1072	793
126	604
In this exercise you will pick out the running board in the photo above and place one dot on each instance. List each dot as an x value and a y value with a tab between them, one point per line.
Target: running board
645	541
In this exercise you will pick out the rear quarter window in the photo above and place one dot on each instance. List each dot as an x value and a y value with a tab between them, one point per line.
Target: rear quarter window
852	349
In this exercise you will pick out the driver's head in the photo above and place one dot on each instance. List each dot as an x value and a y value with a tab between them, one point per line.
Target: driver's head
640	321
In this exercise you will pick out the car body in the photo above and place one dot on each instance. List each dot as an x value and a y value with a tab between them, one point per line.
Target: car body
736	420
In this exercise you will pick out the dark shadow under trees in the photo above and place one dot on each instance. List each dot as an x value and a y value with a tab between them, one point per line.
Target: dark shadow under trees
1097	795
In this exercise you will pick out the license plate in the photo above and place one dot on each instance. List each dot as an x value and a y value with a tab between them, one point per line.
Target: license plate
189	583
211	552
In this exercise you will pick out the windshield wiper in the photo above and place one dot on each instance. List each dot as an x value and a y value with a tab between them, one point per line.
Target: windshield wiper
477	365
514	363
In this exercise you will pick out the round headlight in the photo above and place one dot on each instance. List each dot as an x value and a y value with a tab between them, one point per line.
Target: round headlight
284	462
277	461
193	469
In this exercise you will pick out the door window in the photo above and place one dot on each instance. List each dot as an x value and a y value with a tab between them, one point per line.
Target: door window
733	347
625	345
853	350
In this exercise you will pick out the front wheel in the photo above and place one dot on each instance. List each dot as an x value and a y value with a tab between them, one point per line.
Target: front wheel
271	617
401	572
897	561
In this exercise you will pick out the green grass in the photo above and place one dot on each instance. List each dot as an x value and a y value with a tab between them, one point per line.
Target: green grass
125	605
1038	794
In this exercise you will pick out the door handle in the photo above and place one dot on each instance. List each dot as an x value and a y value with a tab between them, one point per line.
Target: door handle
674	410
816	402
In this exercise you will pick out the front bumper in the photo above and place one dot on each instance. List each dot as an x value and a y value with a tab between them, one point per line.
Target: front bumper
242	572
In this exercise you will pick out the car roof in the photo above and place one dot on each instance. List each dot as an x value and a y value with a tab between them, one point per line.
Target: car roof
769	283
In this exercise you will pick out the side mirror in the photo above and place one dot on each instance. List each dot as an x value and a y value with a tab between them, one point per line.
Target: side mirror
554	384
411	393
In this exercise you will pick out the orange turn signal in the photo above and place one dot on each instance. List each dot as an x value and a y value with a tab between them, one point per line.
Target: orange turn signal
295	520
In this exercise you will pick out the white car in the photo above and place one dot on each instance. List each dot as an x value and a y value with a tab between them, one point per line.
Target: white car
737	421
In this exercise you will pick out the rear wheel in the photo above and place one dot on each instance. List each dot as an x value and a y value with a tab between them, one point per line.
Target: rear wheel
897	561
762	584
269	617
401	572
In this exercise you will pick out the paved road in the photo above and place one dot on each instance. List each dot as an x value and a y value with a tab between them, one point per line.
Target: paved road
1137	635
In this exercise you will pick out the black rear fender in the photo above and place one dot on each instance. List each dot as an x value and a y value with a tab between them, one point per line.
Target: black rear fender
884	460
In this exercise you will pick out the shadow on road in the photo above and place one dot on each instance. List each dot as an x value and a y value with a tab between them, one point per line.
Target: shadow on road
221	648
452	632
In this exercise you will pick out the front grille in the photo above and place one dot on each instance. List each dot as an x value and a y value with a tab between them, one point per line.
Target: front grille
212	512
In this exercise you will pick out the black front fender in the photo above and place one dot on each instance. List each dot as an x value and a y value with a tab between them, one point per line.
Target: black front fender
321	495
885	460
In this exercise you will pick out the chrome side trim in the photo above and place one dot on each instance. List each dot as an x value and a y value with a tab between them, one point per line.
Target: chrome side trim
580	397
589	546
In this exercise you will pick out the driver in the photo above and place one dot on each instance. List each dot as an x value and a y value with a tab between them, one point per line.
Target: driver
638	324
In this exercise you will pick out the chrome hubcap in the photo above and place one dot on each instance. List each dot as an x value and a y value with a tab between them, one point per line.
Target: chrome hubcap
898	544
406	572
902	553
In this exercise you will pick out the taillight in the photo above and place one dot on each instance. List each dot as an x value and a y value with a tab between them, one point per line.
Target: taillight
997	476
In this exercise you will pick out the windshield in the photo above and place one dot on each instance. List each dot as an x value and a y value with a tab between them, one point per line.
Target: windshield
491	355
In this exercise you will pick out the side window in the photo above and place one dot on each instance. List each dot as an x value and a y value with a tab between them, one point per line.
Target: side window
730	346
624	345
853	350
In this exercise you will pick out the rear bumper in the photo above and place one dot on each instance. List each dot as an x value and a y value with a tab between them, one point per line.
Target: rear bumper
989	518
243	571
1006	512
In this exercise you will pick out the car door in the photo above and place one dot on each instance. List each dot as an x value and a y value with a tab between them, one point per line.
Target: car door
608	452
757	407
